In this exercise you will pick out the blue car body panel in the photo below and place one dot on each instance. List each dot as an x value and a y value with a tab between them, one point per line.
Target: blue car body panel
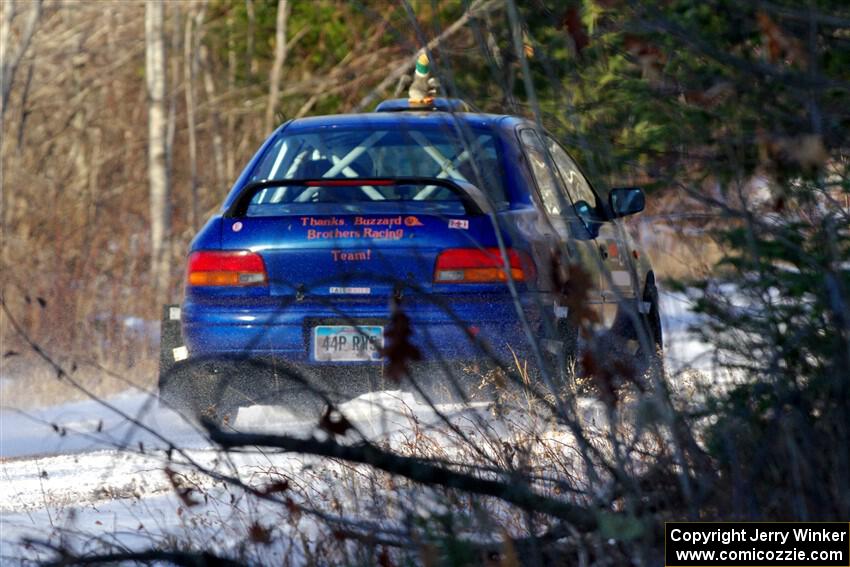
321	261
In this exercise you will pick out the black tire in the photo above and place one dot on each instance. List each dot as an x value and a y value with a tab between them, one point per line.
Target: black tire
629	352
563	360
568	335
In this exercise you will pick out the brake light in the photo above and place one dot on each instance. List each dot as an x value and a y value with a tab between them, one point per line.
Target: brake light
477	265
226	268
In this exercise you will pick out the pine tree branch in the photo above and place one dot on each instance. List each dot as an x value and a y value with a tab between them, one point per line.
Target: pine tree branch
477	8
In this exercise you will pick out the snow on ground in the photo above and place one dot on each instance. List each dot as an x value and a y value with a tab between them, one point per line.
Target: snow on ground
100	477
89	426
681	349
83	467
692	362
120	497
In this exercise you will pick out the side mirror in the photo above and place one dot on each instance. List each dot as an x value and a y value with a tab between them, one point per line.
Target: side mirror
625	201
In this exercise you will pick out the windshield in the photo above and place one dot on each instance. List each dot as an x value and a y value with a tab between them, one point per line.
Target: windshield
386	153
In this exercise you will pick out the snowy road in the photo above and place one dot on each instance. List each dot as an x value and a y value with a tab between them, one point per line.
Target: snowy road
100	477
84	467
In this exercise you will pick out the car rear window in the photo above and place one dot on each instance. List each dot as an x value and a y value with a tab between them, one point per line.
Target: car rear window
387	153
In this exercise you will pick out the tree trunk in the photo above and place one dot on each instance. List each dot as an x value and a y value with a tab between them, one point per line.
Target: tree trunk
230	130
213	110
171	128
252	19
10	59
279	60
190	71
157	147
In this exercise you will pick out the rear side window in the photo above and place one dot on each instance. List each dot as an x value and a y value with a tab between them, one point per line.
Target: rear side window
558	178
387	153
553	199
577	185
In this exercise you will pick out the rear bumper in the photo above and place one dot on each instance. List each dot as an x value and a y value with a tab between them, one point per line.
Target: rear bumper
457	328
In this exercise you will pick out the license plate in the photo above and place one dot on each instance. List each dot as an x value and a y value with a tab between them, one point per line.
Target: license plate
347	343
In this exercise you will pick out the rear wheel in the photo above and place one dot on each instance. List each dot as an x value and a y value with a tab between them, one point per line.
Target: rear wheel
562	354
627	352
652	324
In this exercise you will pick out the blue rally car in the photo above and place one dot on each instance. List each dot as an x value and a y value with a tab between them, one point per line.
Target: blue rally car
464	236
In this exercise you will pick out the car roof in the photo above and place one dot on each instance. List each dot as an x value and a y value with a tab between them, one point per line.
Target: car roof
413	119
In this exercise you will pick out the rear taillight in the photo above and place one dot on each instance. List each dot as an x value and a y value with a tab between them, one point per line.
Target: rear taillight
226	268
477	265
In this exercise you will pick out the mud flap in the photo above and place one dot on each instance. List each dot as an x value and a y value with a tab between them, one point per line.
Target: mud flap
181	386
171	348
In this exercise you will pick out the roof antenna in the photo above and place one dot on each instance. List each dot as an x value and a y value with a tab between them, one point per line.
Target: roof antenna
424	87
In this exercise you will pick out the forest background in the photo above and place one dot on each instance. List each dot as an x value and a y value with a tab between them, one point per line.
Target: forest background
125	123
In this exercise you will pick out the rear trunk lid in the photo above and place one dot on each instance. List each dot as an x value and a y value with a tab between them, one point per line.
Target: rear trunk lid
355	237
354	254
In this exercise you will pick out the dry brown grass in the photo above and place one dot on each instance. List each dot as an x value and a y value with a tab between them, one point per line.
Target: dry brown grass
678	251
30	384
677	259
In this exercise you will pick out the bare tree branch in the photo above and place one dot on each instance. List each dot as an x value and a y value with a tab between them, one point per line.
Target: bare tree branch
417	470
